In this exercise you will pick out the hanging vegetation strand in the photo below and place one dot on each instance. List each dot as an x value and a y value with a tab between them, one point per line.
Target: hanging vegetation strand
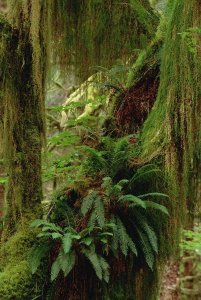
173	127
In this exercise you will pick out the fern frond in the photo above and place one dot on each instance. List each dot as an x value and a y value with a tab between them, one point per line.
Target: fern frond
141	223
107	182
95	161
123	182
132	246
56	235
157	206
123	237
133	199
154	194
39	222
52	227
92	220
145	172
95	262
125	241
88	202
100	211
55	269
67	242
115	237
147	249
66	261
105	268
37	254
117	155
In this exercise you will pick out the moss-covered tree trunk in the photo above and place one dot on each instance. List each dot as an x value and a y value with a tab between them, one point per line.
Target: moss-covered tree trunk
23	126
173	126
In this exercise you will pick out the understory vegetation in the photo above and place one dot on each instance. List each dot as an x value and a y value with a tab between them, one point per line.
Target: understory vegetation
99	148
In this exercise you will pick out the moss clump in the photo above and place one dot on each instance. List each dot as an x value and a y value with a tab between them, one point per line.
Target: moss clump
16	282
16	279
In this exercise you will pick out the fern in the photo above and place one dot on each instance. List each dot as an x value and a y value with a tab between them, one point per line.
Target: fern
94	260
92	220
99	264
100	211
67	242
47	226
37	254
95	203
107	183
154	194
38	223
66	261
95	161
136	201
118	157
159	207
146	248
55	269
125	240
105	268
115	238
88	202
142	223
145	173
123	182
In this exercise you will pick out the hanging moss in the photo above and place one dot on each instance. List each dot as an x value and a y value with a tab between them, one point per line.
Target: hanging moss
85	32
24	100
174	123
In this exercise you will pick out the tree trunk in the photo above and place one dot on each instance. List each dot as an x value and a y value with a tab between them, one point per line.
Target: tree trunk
173	126
23	127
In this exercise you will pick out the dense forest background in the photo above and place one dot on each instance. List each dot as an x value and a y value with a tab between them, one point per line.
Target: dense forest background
100	149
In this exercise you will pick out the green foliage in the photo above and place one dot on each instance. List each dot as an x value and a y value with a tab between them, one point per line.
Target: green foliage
171	129
101	267
110	22
124	240
3	179
112	219
191	241
94	202
69	240
191	38
63	139
111	159
37	254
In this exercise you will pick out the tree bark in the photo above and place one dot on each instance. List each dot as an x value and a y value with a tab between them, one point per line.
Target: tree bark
23	127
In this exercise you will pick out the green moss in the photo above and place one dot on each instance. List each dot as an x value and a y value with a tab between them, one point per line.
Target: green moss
16	282
16	279
83	31
24	125
173	125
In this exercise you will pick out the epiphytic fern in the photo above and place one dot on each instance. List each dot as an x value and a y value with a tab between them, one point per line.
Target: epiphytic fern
95	203
100	266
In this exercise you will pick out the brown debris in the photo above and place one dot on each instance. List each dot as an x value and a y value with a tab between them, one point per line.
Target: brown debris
134	105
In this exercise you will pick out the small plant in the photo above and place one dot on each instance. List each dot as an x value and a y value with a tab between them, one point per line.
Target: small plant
70	241
106	221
